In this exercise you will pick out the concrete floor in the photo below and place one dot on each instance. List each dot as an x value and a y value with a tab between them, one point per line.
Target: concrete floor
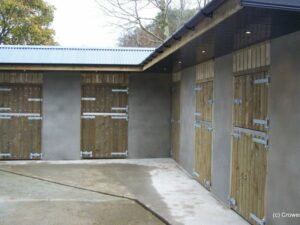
101	192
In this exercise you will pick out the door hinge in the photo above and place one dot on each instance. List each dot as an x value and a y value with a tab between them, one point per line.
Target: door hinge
35	99
236	135
5	109
195	174
262	141
232	203
198	88
116	90
124	154
5	89
5	117
266	81
210	101
36	155
197	113
257	220
237	101
265	123
120	109
88	99
207	184
5	155
86	154
88	117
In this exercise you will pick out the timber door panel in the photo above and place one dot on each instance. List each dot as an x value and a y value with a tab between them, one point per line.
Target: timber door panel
104	123
249	144
175	121
248	183
203	124
251	101
20	121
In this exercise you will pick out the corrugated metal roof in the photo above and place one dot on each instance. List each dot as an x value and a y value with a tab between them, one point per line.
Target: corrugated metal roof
18	54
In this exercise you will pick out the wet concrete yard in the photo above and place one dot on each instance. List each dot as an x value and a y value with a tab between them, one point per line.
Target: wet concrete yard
104	192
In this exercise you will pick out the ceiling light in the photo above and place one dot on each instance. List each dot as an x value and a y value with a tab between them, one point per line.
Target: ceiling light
203	52
248	32
179	62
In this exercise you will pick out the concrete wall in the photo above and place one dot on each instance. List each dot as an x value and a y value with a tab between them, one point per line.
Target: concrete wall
149	115
187	119
283	185
222	124
61	116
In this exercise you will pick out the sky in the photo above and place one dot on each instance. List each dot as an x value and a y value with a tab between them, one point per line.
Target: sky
81	23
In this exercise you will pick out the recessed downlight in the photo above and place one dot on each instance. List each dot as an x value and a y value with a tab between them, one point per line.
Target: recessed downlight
248	32
203	51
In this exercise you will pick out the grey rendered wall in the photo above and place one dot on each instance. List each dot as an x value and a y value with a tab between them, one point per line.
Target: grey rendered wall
61	116
283	185
149	115
222	124
187	119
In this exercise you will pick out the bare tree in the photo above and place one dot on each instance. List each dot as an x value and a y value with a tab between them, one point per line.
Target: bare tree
148	19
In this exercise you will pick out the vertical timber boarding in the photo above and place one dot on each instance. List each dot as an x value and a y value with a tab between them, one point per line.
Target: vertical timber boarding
20	115
203	122
250	131
175	120
104	116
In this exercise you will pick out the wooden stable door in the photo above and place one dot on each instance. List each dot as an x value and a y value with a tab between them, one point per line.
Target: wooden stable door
251	101
203	124
20	121
175	121
104	123
250	145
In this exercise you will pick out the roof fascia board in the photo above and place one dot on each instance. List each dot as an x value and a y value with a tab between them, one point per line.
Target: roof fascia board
224	11
70	68
291	5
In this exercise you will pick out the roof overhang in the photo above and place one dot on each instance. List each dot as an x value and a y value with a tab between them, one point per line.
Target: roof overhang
223	30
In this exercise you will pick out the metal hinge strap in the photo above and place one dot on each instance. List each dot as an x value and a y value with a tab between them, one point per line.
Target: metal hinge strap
35	99
237	101
88	117
120	154
36	155
265	123
263	81
86	154
88	99
126	90
5	89
5	109
5	155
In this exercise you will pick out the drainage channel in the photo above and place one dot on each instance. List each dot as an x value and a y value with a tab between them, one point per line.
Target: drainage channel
93	191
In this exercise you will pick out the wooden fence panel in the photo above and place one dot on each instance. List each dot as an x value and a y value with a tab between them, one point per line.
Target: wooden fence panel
175	121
